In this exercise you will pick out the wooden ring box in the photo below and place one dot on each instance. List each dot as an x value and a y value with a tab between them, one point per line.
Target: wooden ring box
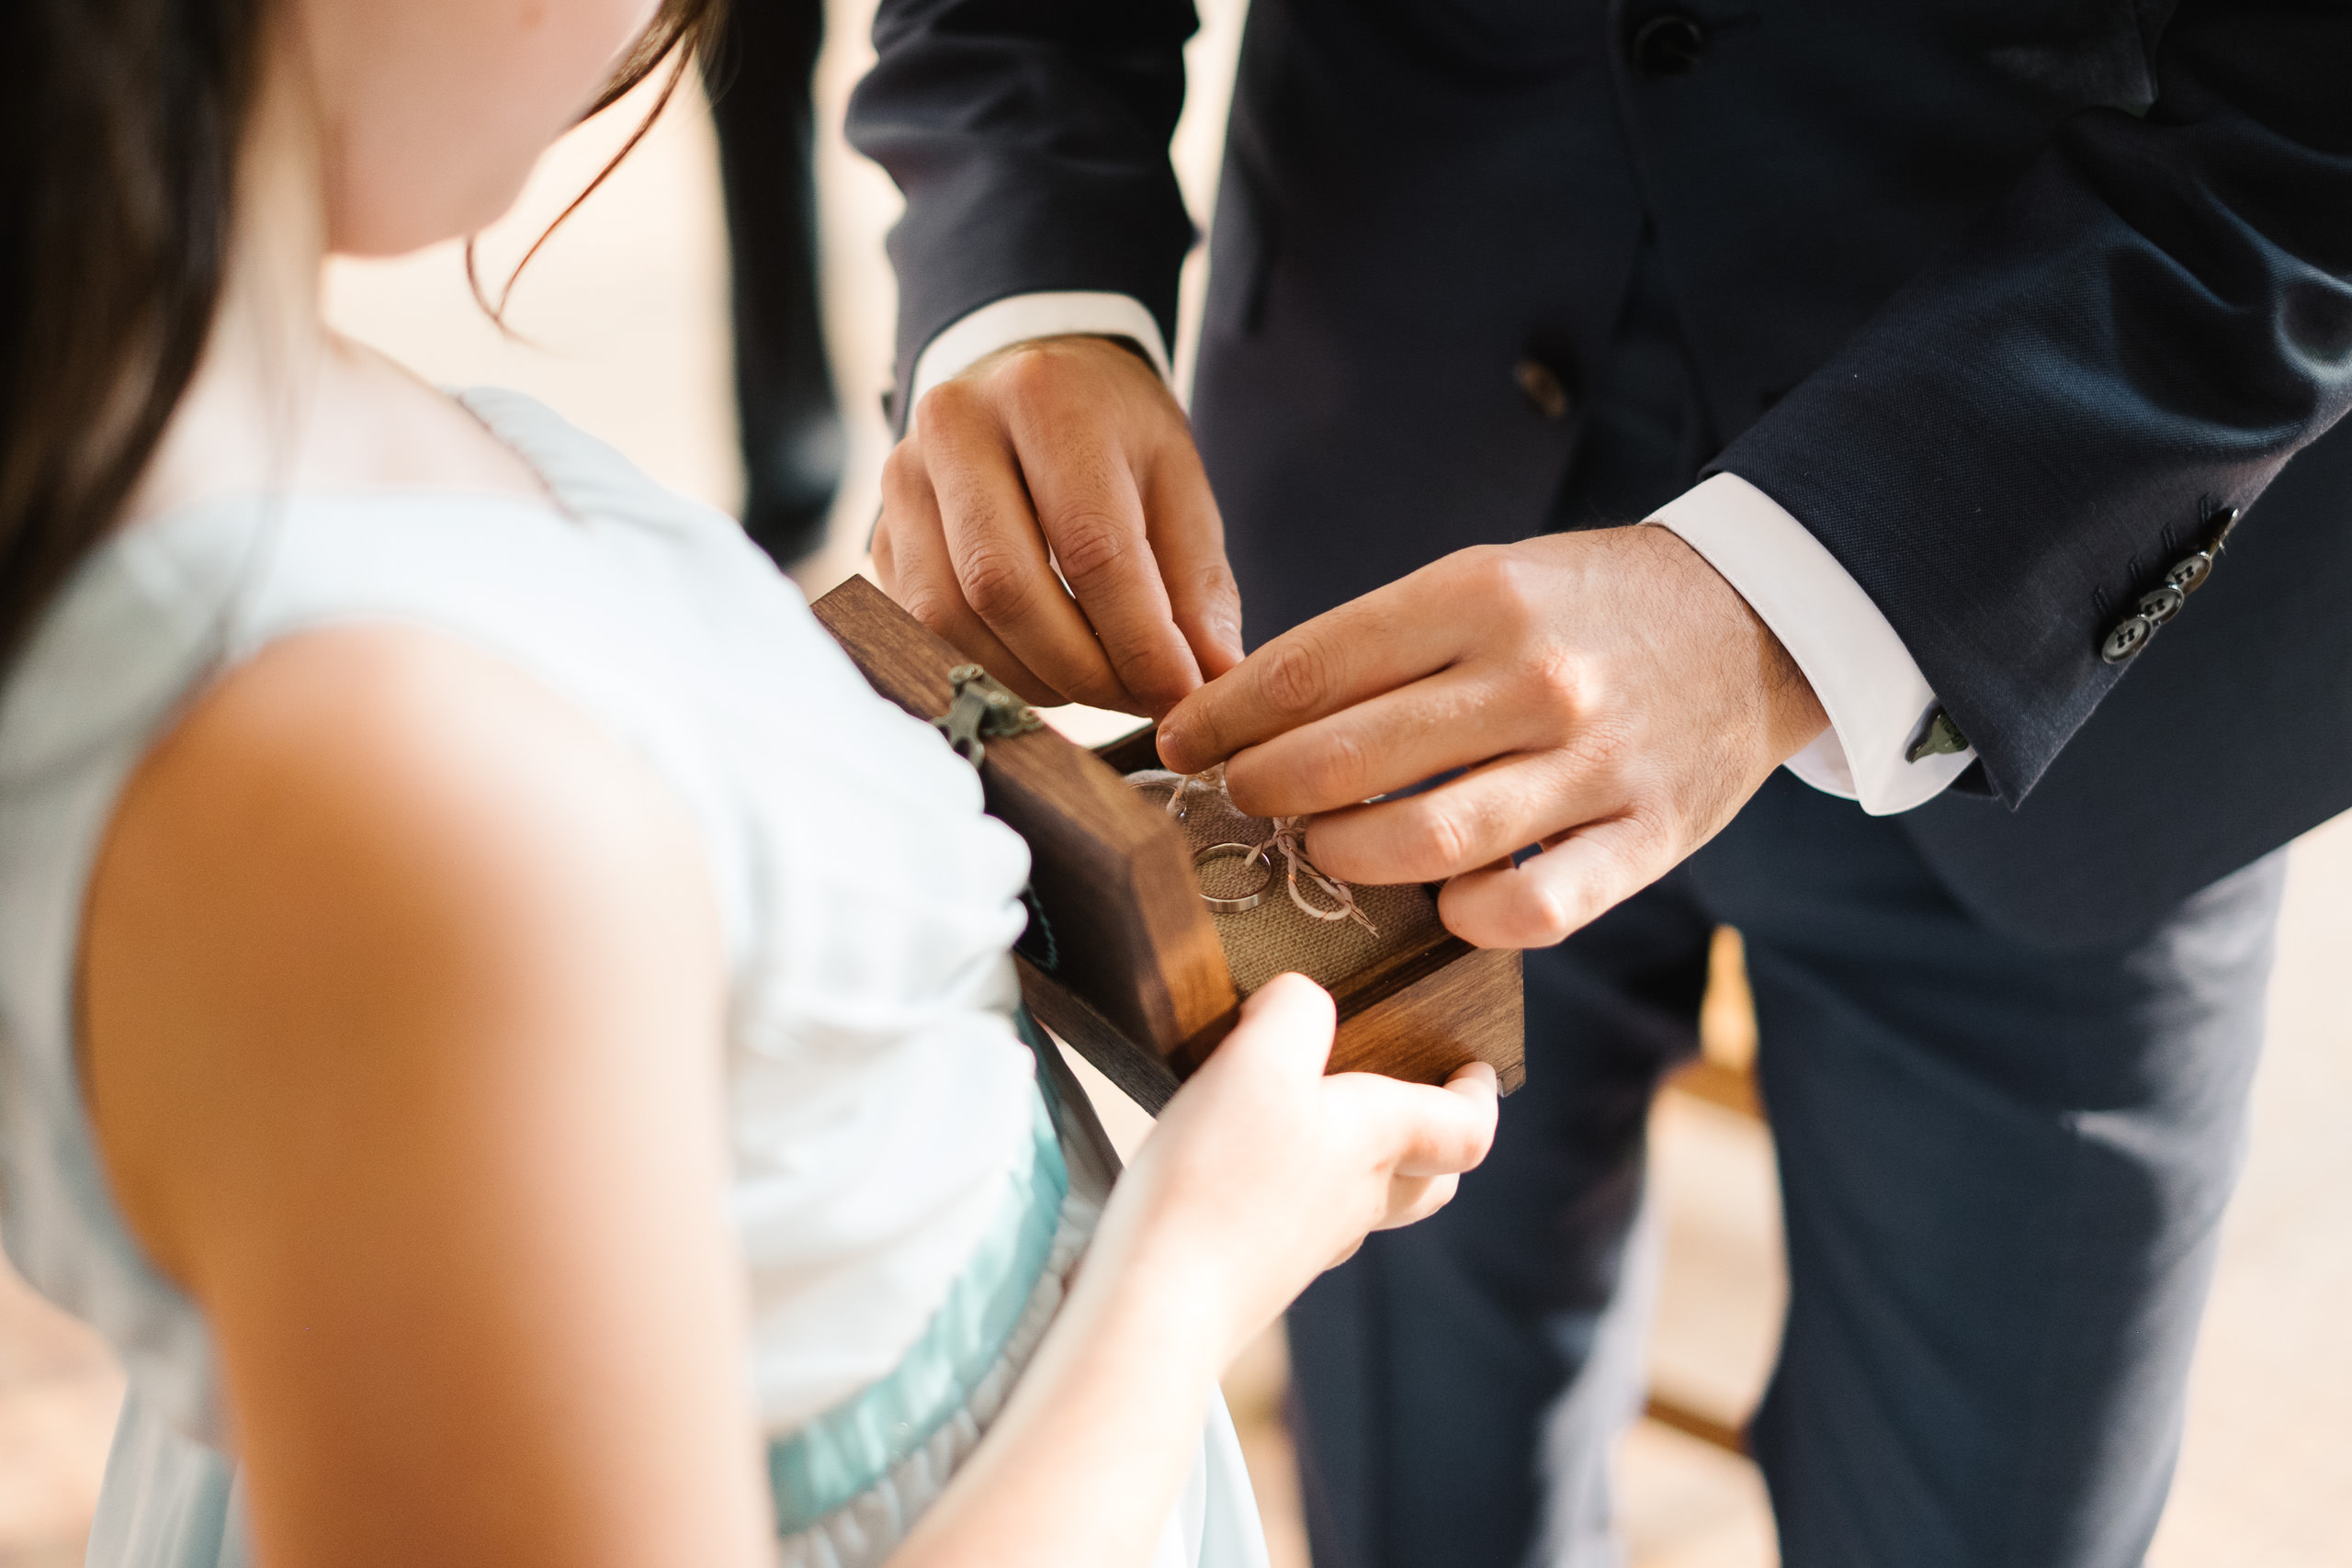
1139	983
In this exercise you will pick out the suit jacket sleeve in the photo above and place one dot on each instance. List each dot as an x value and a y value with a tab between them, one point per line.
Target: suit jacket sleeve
1031	140
2019	443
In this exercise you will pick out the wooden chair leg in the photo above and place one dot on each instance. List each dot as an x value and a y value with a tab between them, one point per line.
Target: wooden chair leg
1666	1411
1722	1075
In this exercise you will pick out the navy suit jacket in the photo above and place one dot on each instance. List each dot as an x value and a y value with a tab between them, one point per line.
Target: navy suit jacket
2000	299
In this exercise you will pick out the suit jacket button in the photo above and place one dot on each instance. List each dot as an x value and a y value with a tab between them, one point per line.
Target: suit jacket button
2161	604
1542	387
1666	45
2189	572
2128	638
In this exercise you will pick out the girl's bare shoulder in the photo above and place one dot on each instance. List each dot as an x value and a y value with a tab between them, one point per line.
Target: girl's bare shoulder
366	845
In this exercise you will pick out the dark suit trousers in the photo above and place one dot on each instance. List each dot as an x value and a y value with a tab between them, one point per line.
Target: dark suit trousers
758	77
2003	1170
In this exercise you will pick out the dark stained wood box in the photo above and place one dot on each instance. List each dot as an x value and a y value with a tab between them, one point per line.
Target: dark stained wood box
1135	979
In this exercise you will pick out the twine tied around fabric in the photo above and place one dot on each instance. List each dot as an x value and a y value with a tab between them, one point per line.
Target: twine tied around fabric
1289	837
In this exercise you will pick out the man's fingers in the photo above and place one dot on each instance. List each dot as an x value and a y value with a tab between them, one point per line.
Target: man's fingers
1091	510
1491	812
1372	645
998	551
1548	896
1067	488
910	559
1188	537
1449	721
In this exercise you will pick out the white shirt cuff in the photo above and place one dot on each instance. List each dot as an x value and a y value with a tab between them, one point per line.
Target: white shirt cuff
1878	703
1018	318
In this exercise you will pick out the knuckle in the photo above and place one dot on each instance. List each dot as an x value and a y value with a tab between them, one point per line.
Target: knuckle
1030	378
903	477
1545	919
1215	584
1089	544
1436	843
952	403
1199	734
1647	840
1340	766
995	581
928	603
1551	695
1557	675
1154	678
1297	675
1097	685
1497	579
1459	571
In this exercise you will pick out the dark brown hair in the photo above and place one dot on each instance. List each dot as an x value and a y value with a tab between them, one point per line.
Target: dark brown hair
120	124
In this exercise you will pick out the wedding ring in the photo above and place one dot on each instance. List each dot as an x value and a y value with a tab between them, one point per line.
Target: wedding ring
1249	900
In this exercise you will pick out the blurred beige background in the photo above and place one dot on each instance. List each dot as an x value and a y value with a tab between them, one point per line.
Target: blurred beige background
620	324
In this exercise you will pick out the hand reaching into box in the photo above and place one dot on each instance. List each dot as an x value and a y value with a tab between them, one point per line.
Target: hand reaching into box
1610	697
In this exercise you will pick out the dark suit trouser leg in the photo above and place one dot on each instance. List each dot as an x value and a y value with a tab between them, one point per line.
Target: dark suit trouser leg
759	82
1428	1369
2003	1169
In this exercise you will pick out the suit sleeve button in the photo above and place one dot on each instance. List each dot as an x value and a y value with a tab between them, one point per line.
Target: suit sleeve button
1542	385
2161	604
1666	45
2128	638
2189	572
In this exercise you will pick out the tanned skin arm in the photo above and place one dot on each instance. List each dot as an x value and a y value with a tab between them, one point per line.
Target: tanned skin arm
402	1001
402	994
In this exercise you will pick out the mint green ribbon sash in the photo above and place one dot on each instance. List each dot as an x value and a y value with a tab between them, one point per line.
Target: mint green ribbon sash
827	1463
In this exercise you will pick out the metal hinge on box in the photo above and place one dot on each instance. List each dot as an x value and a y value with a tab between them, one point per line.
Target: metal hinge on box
982	708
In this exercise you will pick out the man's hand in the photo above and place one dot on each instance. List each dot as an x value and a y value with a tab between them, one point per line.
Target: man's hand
1613	699
1062	461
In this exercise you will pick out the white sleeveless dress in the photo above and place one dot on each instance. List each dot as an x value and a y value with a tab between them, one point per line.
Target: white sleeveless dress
910	1194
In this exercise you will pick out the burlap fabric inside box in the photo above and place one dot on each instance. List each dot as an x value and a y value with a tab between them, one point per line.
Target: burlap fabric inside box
1276	937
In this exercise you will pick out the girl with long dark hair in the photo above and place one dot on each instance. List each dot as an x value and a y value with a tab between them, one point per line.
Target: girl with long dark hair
512	1043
